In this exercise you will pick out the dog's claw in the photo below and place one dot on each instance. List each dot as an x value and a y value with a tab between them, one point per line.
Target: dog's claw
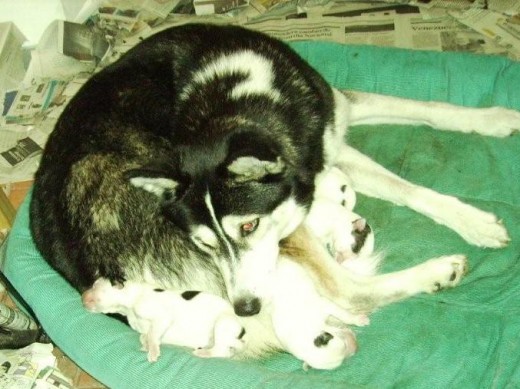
447	272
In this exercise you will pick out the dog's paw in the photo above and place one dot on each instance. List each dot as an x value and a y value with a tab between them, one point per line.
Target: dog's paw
497	121
444	272
477	227
484	229
333	185
154	352
203	353
360	320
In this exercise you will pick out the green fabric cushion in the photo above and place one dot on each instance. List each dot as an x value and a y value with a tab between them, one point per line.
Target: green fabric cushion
465	337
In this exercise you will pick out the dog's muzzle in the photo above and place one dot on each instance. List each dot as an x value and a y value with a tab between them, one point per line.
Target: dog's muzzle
247	306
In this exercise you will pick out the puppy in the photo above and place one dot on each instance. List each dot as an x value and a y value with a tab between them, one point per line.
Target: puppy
200	321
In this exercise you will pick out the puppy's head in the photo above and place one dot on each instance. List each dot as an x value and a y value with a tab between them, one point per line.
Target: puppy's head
235	198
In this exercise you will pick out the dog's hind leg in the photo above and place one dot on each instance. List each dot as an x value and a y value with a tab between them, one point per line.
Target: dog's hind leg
474	225
363	294
431	276
368	108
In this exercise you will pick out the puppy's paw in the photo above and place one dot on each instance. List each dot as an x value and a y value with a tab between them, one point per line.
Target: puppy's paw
445	272
361	320
154	352
203	353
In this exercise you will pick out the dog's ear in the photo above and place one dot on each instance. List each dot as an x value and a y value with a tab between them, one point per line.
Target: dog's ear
152	180
249	168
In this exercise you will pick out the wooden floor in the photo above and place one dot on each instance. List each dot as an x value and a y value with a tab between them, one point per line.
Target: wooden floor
81	379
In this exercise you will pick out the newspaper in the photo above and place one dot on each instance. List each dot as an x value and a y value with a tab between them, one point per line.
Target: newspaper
12	69
69	53
208	7
20	150
405	30
49	61
506	7
504	30
31	367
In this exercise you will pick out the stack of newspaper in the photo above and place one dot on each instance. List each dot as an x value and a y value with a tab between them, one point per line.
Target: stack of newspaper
36	82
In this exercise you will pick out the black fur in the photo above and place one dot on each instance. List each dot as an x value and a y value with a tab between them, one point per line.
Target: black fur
129	119
189	294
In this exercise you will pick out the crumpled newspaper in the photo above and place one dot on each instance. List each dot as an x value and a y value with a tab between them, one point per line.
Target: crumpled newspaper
32	367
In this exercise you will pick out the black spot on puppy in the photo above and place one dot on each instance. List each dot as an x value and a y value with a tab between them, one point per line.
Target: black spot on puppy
360	236
158	290
189	294
242	333
323	339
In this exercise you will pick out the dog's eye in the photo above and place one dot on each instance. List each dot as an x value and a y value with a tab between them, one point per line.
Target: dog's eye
249	227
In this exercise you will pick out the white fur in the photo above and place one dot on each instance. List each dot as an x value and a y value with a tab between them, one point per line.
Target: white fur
475	226
258	69
205	323
157	186
377	109
300	315
260	249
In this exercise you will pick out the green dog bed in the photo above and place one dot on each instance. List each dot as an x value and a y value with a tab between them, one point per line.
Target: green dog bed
466	337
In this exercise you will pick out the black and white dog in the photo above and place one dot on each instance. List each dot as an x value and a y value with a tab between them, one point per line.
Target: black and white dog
186	162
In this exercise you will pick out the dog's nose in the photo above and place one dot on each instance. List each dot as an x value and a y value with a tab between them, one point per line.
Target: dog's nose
247	306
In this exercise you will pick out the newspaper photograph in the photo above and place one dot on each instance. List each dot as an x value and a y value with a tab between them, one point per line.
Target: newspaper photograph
504	30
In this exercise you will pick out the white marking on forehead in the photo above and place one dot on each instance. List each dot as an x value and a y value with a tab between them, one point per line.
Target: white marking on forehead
218	227
259	71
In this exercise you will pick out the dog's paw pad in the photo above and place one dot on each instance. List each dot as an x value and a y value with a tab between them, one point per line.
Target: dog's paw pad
447	272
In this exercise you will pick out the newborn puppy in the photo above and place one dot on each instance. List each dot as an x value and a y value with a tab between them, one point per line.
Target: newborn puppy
197	320
309	326
332	220
302	319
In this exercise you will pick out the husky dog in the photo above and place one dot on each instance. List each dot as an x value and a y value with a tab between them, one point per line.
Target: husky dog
187	161
201	321
206	322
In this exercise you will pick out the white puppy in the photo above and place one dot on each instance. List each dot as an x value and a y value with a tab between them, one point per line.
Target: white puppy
307	325
303	320
311	327
197	320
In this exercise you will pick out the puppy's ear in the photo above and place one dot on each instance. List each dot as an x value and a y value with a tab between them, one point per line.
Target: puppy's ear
249	168
154	181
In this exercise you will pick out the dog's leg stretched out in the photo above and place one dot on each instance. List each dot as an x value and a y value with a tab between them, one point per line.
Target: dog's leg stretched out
475	226
359	293
369	108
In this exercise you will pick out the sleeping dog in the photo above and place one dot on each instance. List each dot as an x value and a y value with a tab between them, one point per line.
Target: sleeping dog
300	317
186	162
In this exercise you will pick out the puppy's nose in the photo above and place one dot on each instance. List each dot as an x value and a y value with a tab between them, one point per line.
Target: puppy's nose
247	306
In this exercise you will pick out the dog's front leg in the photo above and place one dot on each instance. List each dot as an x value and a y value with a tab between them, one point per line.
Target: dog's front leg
368	108
368	177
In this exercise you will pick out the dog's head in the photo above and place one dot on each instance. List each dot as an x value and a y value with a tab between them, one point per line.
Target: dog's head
235	198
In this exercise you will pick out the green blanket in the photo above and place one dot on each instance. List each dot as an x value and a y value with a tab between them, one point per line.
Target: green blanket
466	337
